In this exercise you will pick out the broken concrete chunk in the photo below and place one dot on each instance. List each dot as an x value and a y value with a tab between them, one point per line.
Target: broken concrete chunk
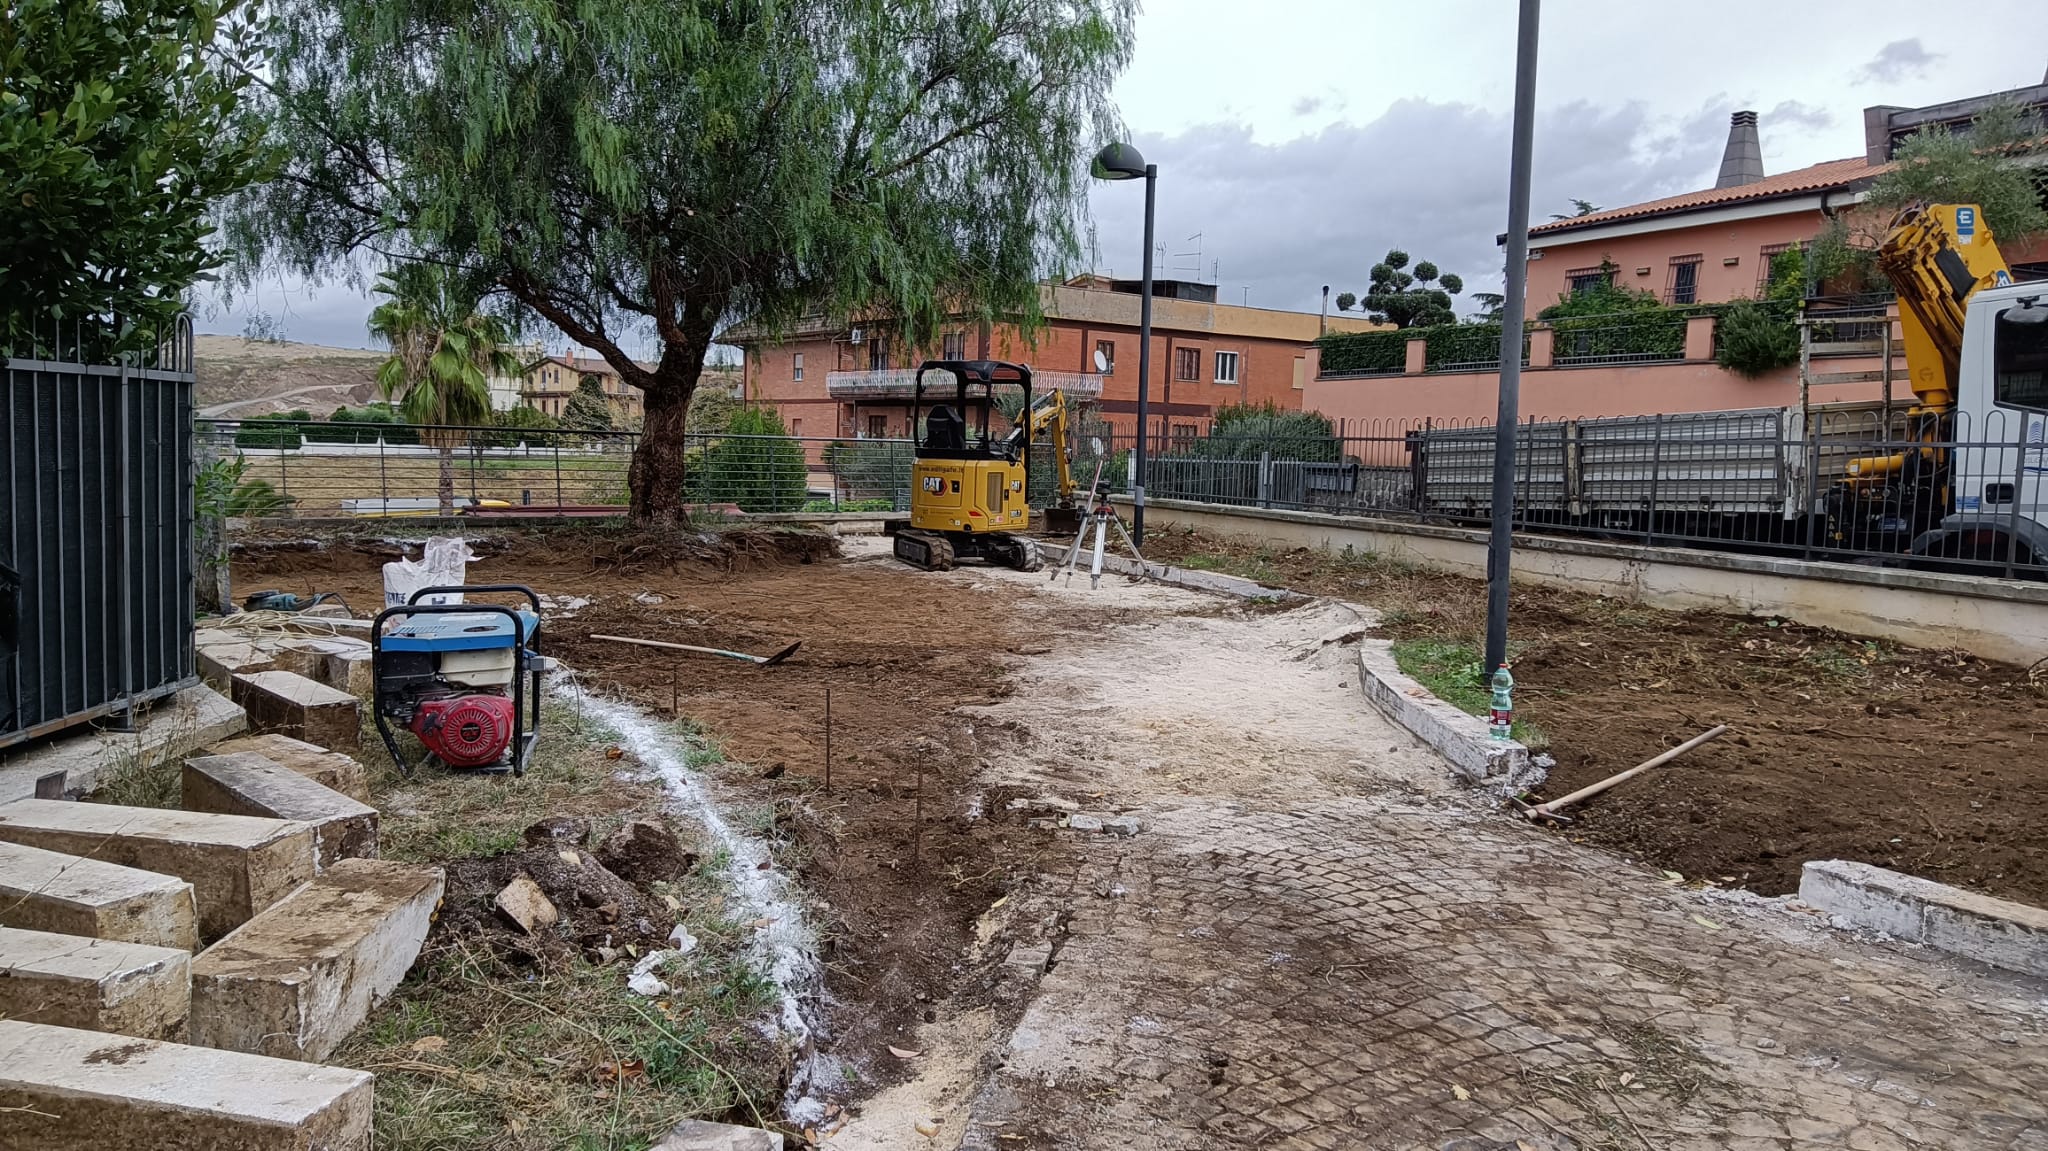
699	1135
526	905
1123	825
644	852
1084	822
1044	804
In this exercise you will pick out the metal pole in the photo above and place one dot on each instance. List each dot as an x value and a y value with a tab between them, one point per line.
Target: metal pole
1144	366
1512	311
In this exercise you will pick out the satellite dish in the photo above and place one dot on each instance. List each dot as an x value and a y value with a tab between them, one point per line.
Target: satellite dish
1101	361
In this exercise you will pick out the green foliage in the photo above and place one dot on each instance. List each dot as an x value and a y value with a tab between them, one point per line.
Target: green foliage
1346	300
443	350
1835	262
1363	353
1607	299
867	505
1490	306
119	128
1613	322
1415	299
872	470
1579	208
587	409
511	428
640	165
755	464
1937	166
1757	338
1247	431
364	425
223	488
283	431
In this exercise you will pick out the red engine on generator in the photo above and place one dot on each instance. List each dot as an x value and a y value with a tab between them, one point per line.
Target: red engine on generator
466	730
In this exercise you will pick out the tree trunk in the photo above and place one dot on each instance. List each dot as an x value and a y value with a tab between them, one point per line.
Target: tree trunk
658	473
447	480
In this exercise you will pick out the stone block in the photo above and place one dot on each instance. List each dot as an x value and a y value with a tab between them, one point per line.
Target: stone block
170	728
245	783
220	663
329	769
50	891
302	708
69	1090
311	656
701	1135
347	671
94	984
296	980
237	864
1999	932
1476	758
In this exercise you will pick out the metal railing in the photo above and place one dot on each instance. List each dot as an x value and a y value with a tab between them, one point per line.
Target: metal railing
96	543
1857	483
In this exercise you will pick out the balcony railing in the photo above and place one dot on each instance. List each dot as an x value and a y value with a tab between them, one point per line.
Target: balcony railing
900	383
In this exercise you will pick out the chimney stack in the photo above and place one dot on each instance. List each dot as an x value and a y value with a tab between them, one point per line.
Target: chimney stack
1743	161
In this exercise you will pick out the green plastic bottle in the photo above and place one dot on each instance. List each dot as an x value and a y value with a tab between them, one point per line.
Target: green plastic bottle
1502	721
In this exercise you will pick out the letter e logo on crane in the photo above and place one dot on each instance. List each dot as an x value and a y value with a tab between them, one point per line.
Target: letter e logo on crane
1966	224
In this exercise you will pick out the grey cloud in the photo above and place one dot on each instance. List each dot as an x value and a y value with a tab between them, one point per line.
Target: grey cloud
1898	60
1427	177
1798	115
1307	105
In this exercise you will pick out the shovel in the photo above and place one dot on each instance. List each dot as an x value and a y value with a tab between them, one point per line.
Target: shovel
759	660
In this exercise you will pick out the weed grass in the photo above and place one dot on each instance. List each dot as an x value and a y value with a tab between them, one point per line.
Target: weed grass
1450	670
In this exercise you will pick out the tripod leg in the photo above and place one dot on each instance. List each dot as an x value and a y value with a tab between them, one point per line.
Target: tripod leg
1074	549
1143	571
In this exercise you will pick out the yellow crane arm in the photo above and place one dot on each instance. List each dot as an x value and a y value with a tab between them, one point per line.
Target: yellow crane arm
1046	422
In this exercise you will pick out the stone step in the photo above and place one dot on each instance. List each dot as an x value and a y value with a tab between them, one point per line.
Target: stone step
166	732
69	1090
302	708
94	984
237	864
245	783
220	663
341	662
329	769
294	981
50	891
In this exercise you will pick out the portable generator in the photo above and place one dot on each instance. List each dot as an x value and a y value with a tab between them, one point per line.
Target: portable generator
464	678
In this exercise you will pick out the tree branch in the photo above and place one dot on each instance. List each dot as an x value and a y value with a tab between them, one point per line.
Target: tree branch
523	289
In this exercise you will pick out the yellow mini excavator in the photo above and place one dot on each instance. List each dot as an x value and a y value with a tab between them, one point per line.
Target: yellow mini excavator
968	488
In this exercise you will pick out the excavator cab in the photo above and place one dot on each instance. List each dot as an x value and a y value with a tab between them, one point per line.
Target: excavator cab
967	494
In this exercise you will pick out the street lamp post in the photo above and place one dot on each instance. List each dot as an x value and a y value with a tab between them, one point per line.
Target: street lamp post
1501	543
1122	162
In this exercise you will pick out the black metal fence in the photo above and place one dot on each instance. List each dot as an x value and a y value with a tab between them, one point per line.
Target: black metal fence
96	551
1858	483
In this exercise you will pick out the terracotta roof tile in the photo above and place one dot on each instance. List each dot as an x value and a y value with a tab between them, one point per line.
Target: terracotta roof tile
1832	174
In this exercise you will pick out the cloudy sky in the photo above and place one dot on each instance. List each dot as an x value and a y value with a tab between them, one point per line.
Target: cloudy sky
1303	139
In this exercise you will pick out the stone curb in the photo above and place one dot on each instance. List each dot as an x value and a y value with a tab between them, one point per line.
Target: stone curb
1475	756
1998	932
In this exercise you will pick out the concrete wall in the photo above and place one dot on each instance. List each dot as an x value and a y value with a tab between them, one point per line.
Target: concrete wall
1997	619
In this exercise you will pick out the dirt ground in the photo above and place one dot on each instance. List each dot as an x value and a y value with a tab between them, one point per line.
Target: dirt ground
900	658
1928	762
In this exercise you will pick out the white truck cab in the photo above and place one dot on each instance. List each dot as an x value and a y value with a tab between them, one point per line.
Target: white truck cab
2000	509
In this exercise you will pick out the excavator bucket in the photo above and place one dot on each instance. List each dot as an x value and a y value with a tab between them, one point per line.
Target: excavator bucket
1063	521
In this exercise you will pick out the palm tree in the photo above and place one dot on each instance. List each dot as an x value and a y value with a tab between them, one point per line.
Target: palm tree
443	354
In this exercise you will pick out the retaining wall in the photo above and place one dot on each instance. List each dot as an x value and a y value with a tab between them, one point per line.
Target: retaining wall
1994	618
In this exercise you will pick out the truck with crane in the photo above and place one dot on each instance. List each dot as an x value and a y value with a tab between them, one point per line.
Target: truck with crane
1955	481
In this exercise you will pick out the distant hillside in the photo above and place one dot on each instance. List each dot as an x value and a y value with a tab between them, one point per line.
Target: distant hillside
239	377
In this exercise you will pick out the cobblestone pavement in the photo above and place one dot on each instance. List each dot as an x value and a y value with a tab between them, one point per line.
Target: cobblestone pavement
1306	949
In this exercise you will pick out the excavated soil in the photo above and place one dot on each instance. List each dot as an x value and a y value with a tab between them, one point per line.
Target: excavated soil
900	656
1929	762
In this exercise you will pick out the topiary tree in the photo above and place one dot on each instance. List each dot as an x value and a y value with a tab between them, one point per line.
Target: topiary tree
1415	299
1345	301
756	464
587	410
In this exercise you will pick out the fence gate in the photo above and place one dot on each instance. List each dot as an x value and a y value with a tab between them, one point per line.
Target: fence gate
96	595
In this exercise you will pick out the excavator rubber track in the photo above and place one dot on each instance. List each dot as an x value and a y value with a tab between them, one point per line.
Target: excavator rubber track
933	553
1025	555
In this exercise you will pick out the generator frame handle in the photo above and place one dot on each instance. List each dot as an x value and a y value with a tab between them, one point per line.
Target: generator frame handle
531	596
523	734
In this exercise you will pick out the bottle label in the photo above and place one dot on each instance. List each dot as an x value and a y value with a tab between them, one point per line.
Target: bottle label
1503	718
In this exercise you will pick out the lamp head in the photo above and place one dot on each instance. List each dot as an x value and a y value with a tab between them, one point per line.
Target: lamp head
1118	162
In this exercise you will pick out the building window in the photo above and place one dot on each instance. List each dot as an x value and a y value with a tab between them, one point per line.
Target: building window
1765	257
1226	367
796	427
878	355
953	346
1582	281
1187	363
1105	356
1682	286
796	367
878	427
